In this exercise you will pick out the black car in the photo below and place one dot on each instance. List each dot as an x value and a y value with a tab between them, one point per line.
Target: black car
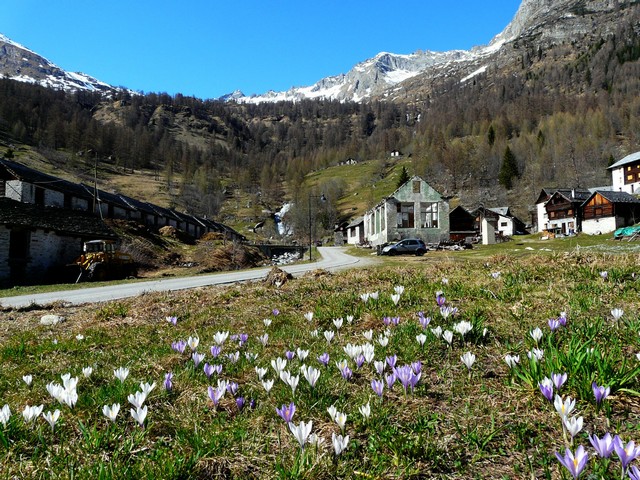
413	246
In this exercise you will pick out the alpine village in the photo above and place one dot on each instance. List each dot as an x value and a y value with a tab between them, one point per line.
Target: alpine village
484	322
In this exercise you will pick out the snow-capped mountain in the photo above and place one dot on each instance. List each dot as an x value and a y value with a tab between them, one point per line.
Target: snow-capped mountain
388	75
376	76
19	63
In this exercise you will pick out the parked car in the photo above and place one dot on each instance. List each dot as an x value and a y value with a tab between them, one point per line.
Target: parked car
413	246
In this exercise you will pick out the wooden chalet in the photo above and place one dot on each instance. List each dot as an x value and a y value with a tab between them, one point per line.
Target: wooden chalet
462	224
606	211
563	210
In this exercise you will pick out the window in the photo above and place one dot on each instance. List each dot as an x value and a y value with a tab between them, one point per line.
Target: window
429	215
19	242
405	215
503	224
416	186
39	196
630	177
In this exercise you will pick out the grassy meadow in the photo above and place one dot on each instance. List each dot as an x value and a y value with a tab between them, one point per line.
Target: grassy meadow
385	349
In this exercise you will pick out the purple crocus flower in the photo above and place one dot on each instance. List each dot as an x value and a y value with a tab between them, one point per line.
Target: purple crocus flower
252	403
416	366
404	374
546	387
603	446
634	473
554	324
346	373
179	346
558	379
440	300
240	402
600	392
232	388
286	412
324	359
172	320
215	394
208	370
360	360
217	368
562	318
575	464
168	384
242	339
391	379
197	358
275	312
234	337
626	453
377	387
424	321
215	350
391	360
386	321
289	354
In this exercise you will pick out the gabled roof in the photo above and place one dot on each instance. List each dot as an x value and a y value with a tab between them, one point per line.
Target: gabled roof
29	175
614	197
355	222
503	211
393	195
14	213
545	194
573	194
634	157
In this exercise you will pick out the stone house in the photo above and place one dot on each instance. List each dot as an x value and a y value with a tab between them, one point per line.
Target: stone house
37	242
414	210
355	231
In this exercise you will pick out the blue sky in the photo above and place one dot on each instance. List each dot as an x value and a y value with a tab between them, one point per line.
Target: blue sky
208	48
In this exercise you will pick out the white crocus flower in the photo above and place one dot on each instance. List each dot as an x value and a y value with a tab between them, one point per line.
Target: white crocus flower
536	334
121	373
139	414
447	336
468	359
365	410
301	432
267	385
111	412
52	417
87	371
340	443
308	316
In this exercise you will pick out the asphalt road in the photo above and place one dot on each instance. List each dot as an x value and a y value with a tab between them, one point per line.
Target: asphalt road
333	258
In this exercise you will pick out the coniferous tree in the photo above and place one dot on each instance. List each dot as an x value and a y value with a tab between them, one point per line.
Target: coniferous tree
403	177
508	170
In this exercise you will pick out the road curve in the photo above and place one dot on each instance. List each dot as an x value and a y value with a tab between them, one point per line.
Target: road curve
333	258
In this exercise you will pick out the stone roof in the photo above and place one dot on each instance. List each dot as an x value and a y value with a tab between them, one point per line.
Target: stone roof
13	213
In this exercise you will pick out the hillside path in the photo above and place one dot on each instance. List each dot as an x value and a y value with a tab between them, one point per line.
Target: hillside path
333	258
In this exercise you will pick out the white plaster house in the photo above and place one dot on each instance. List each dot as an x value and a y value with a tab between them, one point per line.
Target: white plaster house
355	232
414	210
625	174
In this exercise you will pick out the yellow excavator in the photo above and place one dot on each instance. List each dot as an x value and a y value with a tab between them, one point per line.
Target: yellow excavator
101	260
